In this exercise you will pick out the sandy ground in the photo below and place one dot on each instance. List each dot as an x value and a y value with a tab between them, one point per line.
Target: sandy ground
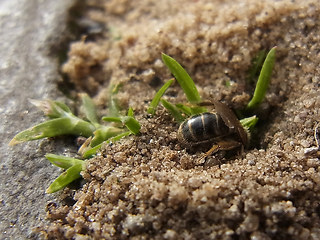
150	187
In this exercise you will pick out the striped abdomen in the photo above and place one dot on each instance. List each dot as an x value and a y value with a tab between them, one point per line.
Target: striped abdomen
201	128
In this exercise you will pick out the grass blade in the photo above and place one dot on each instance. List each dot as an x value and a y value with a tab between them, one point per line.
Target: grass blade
113	106
249	122
183	79
55	127
52	109
256	65
111	119
65	178
62	161
155	101
198	110
130	112
185	109
263	80
89	109
104	133
173	110
89	152
92	151
132	124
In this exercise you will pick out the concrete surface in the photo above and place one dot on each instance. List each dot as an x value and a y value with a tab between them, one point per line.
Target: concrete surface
28	30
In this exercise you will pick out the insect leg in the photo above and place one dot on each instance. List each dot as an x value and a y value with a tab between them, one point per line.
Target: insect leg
222	145
317	138
213	149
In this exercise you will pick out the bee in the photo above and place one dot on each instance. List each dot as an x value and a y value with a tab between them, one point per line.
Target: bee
222	128
315	151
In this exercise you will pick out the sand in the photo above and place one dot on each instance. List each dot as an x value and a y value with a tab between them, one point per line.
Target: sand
149	186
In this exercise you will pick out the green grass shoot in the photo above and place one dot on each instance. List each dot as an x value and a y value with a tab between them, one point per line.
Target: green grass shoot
67	177
173	110
52	109
87	153
73	168
113	106
263	81
155	101
55	127
62	161
132	124
129	121
184	109
63	122
89	109
183	78
249	122
103	133
188	86
256	66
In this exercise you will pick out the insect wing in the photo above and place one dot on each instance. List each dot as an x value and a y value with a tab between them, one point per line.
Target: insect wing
231	120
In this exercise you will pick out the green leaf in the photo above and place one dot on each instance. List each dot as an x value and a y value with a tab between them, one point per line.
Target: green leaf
55	127
111	119
184	108
89	152
114	89
132	124
62	106
92	151
104	133
198	110
89	109
249	122
66	177
189	111
130	112
52	109
155	101
62	161
263	80
113	106
183	78
256	65
173	110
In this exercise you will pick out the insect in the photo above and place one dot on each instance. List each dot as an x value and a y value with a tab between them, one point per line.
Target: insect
315	151
221	128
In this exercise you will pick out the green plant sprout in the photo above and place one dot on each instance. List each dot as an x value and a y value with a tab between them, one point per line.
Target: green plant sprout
185	82
256	65
155	101
173	110
64	122
88	152
178	111
183	78
73	168
263	80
